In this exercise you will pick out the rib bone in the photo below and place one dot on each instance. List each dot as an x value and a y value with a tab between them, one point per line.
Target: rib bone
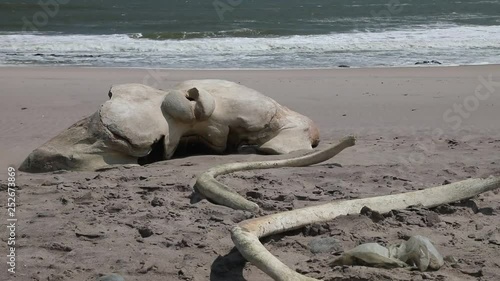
207	185
246	234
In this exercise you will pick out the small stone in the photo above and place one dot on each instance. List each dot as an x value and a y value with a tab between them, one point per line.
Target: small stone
63	200
183	244
444	209
432	219
473	272
324	245
254	194
168	243
450	259
302	196
53	181
145	232
45	215
150	188
268	206
111	277
157	202
373	215
85	199
479	226
90	231
488	211
216	219
315	230
58	247
115	207
302	271
495	240
284	198
90	235
426	276
404	235
441	224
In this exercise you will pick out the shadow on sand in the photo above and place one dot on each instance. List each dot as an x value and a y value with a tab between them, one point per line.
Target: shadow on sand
228	267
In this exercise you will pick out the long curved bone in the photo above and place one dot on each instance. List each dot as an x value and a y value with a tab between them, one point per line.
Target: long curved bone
207	185
246	234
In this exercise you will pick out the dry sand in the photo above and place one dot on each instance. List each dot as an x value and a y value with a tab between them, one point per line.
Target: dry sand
140	223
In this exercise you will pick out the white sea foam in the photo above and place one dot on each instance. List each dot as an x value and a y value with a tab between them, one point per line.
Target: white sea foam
449	44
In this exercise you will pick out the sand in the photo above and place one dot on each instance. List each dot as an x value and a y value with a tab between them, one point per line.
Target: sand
416	128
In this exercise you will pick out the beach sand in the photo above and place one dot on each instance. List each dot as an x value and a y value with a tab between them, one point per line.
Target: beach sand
416	128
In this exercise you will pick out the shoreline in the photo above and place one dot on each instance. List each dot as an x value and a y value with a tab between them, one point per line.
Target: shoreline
252	69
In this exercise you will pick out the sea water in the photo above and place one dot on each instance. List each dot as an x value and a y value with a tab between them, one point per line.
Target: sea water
248	33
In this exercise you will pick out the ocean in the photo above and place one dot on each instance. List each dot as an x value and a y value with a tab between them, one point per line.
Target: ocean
248	33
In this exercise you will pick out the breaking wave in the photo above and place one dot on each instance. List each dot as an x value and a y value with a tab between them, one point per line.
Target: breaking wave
247	48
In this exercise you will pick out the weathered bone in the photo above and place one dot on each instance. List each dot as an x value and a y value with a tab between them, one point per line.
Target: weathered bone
140	124
246	234
220	193
417	252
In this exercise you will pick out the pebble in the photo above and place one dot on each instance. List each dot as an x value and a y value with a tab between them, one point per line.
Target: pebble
111	277
315	229
145	232
157	202
373	215
450	259
426	276
255	194
324	245
284	198
432	219
58	247
115	207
